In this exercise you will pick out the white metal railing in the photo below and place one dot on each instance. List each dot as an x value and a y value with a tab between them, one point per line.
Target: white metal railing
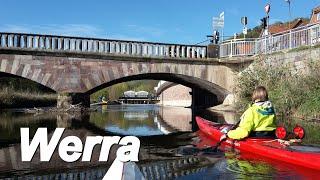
104	46
302	36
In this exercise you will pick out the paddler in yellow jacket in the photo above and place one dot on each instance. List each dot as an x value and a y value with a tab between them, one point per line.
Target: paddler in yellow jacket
258	120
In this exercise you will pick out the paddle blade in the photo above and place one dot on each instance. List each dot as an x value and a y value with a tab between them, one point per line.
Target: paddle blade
299	132
281	132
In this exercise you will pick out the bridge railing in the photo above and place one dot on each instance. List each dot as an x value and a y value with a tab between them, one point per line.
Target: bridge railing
238	47
103	46
302	36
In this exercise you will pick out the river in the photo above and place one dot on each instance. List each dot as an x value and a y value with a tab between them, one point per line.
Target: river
167	136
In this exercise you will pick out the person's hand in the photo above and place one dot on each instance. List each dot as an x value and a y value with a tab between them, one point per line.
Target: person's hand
225	130
223	137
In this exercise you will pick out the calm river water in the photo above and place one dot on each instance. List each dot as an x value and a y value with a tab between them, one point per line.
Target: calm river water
167	136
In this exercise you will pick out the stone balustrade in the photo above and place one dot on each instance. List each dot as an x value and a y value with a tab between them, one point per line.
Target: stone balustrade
103	46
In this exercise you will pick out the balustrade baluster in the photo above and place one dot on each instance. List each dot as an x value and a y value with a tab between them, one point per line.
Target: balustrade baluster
78	45
118	50
23	41
95	46
139	49
106	46
173	51
54	42
60	44
178	52
183	51
122	48
29	42
36	42
16	39
204	52
112	47
198	52
84	45
129	46
90	45
10	40
101	46
41	42
149	50
144	50
133	48
188	51
193	53
167	50
156	50
73	44
47	43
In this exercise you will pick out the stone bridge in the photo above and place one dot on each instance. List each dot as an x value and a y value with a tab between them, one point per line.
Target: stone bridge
77	67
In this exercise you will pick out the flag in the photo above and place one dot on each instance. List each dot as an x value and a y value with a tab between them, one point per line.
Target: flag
222	16
218	22
267	8
221	19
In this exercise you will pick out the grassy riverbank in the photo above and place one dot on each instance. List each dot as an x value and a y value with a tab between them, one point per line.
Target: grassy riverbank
293	94
10	98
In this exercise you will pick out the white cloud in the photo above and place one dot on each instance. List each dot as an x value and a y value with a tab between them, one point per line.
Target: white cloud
78	30
82	30
153	31
125	37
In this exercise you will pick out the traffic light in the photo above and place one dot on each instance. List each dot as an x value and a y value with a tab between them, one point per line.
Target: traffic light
216	37
264	22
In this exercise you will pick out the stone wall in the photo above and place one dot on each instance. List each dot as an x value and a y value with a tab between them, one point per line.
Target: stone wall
296	60
177	95
81	74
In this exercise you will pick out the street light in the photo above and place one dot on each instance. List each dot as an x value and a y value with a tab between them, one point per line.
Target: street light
289	5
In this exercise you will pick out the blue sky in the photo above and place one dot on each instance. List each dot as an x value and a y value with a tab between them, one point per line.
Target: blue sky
170	21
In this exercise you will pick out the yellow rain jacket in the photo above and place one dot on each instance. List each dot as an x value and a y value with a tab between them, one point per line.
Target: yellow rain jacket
260	116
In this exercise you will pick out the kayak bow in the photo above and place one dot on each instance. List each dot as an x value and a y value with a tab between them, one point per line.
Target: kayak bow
269	148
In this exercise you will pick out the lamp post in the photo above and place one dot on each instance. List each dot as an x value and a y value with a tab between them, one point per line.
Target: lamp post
289	6
289	28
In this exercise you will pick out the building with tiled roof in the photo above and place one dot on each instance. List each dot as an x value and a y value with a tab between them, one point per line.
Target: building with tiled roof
279	28
315	15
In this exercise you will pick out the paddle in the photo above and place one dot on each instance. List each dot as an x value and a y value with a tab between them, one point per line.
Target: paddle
221	141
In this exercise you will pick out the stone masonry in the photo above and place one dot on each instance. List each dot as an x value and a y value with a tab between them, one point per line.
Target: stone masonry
85	73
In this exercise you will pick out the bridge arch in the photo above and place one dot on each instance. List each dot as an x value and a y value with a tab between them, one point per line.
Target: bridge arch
162	86
189	81
41	86
204	93
82	74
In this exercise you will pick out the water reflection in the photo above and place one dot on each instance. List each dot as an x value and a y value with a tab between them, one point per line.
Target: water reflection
142	120
164	133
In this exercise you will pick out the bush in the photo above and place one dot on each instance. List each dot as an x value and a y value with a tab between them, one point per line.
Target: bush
291	93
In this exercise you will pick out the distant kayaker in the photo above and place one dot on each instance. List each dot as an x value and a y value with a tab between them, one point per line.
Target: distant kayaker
258	120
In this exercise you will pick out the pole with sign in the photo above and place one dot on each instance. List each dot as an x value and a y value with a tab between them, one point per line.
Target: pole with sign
218	23
289	28
244	22
267	10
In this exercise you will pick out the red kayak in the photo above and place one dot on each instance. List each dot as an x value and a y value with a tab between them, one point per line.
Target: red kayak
296	154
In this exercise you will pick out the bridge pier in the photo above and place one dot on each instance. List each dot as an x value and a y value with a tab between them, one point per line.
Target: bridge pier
203	99
65	100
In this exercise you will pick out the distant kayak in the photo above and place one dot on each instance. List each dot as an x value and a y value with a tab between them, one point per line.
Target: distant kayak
294	153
